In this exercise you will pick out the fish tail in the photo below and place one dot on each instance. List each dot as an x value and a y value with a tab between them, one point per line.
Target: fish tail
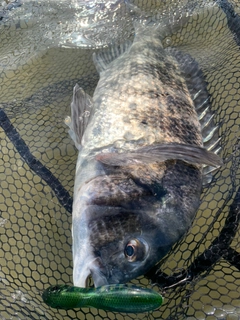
162	25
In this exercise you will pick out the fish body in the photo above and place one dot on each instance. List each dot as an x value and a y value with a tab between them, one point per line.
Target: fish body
139	170
118	298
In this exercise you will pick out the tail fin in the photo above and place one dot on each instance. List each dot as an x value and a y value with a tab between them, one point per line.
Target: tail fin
168	21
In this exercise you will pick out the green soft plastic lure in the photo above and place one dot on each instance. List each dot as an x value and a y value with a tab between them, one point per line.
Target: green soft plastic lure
118	298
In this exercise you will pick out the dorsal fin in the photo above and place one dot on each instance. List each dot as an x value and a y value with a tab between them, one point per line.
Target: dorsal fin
197	87
103	58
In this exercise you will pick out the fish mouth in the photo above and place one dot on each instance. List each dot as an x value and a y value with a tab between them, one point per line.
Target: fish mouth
99	279
94	268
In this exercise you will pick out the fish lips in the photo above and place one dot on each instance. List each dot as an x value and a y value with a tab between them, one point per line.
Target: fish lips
91	266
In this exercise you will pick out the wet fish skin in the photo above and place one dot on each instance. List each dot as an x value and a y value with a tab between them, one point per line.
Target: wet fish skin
126	218
154	210
144	90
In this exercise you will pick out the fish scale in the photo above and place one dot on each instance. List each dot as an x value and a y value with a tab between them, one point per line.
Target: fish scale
159	74
109	227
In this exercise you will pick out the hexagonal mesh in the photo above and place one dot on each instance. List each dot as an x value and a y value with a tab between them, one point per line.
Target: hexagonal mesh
200	276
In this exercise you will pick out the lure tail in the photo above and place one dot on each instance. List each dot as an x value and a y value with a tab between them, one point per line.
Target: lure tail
124	298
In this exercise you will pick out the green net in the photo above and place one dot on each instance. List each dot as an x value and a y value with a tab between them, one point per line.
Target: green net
42	57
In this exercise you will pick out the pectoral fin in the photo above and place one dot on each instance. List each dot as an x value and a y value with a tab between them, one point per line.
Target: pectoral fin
81	108
161	152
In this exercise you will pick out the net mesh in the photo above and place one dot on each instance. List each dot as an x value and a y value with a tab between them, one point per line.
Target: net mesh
200	277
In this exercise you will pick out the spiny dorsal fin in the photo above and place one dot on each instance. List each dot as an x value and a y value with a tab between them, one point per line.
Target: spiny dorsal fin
103	58
197	87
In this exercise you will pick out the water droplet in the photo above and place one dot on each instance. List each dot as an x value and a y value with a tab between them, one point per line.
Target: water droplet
18	295
168	41
3	222
86	113
67	120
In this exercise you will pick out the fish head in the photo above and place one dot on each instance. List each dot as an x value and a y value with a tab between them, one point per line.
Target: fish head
118	247
126	225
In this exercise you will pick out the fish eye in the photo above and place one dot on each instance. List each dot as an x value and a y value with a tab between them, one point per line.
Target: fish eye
134	250
129	250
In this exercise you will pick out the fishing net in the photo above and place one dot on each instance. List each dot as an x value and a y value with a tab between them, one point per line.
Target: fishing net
42	56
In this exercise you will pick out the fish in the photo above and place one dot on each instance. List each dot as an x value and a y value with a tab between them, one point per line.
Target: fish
117	298
142	147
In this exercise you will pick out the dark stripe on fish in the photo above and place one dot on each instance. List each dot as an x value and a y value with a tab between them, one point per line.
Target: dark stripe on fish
112	227
182	129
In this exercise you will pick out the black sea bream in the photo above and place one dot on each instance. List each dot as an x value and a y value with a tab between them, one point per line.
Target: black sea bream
139	169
